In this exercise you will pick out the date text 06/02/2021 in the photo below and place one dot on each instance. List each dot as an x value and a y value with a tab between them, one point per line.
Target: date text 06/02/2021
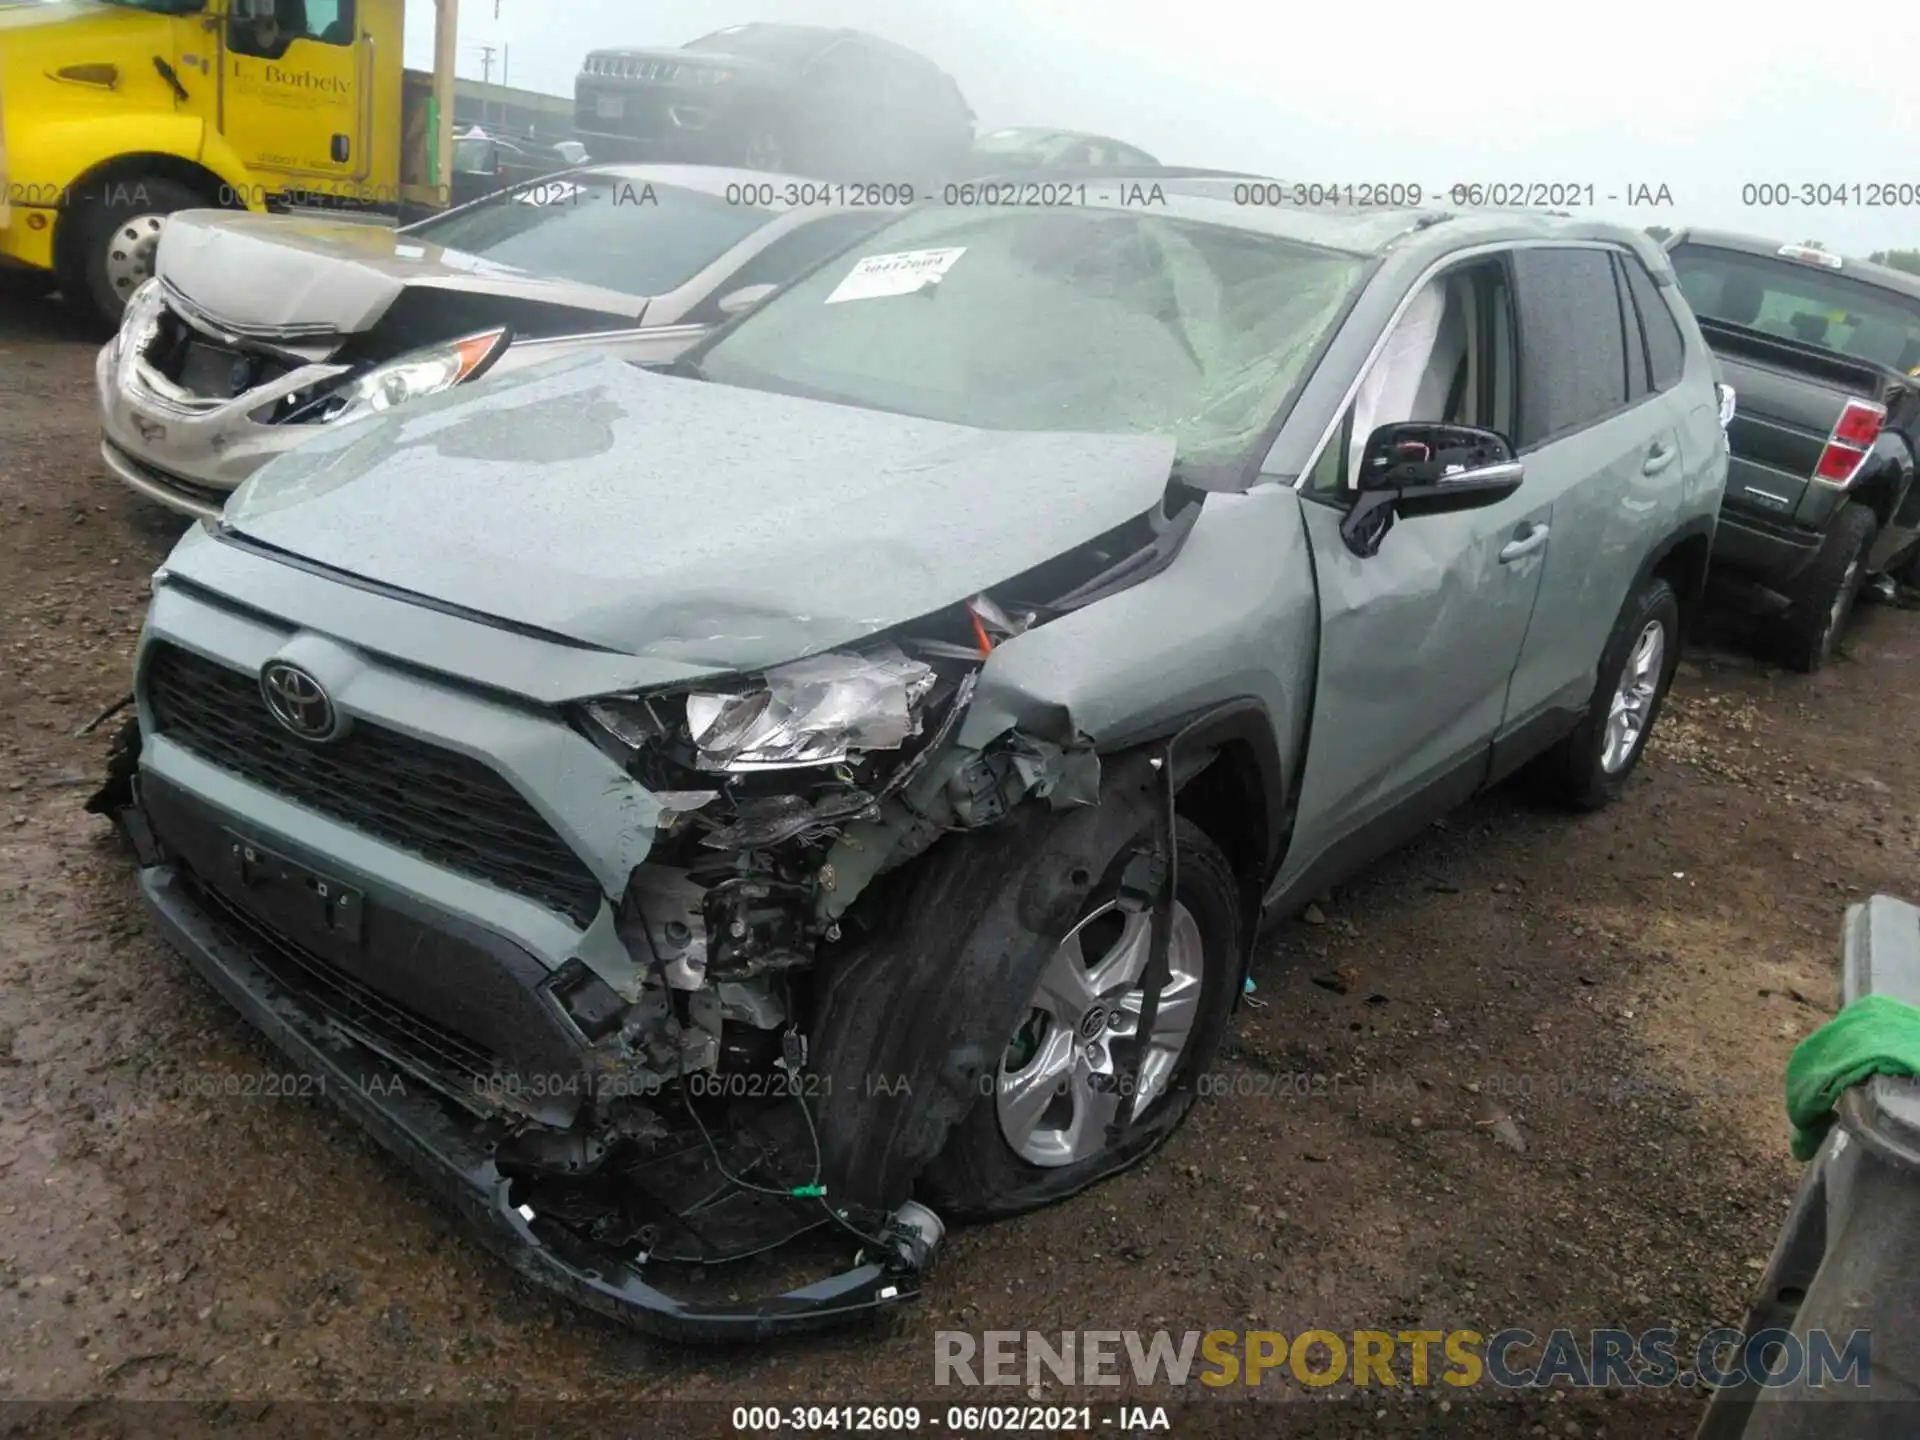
1473	194
951	1419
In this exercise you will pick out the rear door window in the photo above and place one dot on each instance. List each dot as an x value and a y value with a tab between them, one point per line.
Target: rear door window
1572	346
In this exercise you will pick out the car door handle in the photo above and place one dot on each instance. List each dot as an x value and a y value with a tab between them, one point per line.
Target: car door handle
1523	545
1658	458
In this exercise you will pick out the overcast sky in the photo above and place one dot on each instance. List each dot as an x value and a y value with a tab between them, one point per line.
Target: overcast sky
1702	99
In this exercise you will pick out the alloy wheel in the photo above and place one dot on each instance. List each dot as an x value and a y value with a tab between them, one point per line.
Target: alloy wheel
1058	1086
1633	699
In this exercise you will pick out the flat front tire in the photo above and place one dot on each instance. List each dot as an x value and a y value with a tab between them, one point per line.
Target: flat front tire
1041	1134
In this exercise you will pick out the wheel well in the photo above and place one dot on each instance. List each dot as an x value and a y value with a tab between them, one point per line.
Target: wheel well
129	170
1228	801
1684	567
1879	493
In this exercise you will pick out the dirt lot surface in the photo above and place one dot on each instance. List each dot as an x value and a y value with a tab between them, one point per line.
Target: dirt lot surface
1526	1073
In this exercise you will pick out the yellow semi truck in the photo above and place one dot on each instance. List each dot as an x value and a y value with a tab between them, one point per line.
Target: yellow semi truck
115	113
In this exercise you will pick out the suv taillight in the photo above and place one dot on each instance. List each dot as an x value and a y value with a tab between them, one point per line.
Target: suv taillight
1853	435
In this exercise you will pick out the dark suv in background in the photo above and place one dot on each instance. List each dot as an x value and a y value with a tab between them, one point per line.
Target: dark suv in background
1822	354
801	99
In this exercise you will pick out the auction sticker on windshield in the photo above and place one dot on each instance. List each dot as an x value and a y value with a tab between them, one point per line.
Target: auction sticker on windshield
897	274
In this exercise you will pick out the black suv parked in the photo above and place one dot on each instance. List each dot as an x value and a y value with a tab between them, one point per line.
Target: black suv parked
802	99
1822	354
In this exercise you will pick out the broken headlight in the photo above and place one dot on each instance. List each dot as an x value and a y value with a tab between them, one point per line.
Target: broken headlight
815	711
140	322
811	712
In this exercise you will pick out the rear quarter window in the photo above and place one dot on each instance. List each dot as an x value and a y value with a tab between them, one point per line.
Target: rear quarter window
1666	348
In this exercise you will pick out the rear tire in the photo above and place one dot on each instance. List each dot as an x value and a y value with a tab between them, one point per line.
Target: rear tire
1590	767
1821	598
108	240
980	1175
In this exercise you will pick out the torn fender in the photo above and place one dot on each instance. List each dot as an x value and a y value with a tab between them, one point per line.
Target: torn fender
1235	618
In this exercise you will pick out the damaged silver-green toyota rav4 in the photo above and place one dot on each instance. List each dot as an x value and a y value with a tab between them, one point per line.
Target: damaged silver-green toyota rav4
761	811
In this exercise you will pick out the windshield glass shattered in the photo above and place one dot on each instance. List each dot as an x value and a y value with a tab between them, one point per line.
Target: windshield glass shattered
626	235
1060	319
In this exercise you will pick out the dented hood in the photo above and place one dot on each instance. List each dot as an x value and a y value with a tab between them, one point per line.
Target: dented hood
721	527
269	273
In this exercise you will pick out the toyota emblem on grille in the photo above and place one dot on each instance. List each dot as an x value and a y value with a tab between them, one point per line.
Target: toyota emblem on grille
298	701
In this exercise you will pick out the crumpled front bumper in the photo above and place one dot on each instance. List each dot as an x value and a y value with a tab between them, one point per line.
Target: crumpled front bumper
190	458
454	1161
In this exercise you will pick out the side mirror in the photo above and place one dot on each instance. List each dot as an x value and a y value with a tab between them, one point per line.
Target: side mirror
1423	469
739	301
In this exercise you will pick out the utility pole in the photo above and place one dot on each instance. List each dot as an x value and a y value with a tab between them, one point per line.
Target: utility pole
486	64
506	59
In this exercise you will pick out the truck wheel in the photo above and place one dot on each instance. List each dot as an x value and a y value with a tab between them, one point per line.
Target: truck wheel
1589	768
109	239
1821	598
1039	1136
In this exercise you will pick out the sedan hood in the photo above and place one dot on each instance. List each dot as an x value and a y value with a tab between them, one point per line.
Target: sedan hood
277	274
684	521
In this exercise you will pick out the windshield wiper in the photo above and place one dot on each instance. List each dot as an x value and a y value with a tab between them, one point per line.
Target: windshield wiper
685	369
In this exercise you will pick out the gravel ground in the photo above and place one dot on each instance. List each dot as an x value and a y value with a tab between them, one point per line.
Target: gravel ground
1545	1058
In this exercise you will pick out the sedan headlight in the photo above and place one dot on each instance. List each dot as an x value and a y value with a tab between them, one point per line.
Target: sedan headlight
423	372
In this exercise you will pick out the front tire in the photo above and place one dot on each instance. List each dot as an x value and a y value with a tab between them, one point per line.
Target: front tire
1822	597
1039	1137
1590	767
109	239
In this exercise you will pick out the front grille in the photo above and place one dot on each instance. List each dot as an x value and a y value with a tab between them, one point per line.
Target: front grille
371	1017
643	114
442	806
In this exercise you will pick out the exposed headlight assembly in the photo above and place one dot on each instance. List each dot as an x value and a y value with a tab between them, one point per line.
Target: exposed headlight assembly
417	374
140	321
815	711
811	712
